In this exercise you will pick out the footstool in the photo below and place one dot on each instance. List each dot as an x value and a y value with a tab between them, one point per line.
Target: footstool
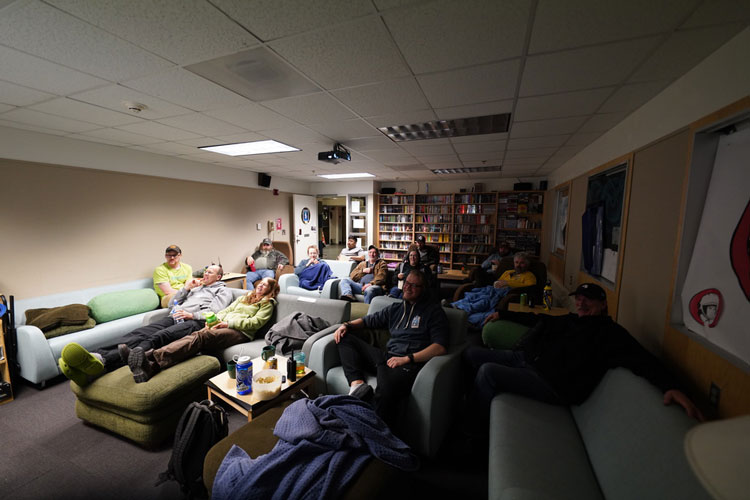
146	413
256	438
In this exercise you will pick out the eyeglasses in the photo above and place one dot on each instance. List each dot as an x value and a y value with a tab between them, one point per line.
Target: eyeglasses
412	285
171	255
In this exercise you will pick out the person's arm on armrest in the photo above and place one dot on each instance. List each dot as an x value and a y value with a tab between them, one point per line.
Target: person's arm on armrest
422	356
676	396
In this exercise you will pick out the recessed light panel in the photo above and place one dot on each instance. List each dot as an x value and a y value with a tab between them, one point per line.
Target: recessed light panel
458	127
250	148
466	170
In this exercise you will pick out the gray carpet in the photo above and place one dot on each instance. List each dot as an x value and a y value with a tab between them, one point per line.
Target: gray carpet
47	452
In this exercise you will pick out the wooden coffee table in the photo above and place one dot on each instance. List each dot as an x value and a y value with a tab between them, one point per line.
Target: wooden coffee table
225	388
555	311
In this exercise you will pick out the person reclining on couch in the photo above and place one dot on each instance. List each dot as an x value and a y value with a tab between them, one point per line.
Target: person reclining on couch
419	332
313	272
368	278
171	276
238	324
197	298
561	359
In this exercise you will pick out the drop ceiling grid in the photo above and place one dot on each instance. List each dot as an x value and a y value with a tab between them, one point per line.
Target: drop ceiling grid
113	96
202	124
70	108
310	109
393	96
18	95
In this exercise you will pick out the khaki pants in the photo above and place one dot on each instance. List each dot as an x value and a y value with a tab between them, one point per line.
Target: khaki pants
167	299
203	340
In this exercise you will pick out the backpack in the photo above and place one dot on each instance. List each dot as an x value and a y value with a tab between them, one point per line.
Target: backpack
200	427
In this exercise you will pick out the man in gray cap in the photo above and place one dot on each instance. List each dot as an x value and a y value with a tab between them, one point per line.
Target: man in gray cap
264	263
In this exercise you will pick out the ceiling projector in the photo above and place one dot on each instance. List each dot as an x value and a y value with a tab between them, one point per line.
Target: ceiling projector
338	155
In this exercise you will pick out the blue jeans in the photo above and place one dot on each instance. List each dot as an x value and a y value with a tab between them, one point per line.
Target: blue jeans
348	286
253	276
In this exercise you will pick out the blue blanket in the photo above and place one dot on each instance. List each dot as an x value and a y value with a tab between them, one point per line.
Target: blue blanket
314	277
323	444
480	303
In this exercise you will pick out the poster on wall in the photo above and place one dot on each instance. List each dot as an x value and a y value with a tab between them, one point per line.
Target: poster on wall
716	294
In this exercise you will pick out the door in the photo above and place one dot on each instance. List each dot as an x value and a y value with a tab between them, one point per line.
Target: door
304	225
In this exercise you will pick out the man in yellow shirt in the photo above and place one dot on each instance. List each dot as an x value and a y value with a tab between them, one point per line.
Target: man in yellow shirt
171	276
519	276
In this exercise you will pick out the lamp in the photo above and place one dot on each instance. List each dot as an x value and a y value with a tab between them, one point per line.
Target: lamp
719	454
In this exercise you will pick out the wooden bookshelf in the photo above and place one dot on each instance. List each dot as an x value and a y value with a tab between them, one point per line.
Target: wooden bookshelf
474	223
395	225
434	220
519	219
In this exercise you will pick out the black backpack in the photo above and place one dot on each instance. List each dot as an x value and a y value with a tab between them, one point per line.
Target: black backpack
201	426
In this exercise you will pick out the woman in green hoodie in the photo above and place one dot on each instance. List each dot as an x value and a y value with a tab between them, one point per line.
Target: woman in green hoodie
237	323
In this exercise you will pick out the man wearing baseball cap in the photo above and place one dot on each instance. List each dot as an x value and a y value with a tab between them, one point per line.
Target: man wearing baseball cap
561	359
170	277
264	263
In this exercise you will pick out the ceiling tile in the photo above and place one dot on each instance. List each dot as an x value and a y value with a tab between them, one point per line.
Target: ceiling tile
583	138
561	25
297	135
5	107
384	97
235	138
26	126
479	138
561	105
341	131
448	34
70	108
171	147
355	52
388	155
271	19
46	32
479	109
123	136
684	50
488	156
364	144
602	122
114	97
201	124
34	73
37	119
522	162
539	128
530	153
101	140
584	68
537	142
490	82
410	118
180	31
719	12
251	116
199	142
16	95
310	109
186	89
478	147
158	131
428	147
633	96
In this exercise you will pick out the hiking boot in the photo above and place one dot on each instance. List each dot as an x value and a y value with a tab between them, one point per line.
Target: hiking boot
124	352
364	392
141	367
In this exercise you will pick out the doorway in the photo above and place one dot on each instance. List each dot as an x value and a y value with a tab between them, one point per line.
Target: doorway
332	223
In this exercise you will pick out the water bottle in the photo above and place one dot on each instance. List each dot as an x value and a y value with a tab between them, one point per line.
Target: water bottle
174	310
548	295
244	375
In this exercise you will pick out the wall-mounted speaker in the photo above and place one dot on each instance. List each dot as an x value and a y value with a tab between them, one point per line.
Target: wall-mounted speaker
387	190
264	180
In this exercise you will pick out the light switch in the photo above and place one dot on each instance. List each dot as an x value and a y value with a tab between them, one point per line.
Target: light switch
257	226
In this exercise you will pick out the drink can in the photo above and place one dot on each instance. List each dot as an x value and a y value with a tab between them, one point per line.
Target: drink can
524	300
244	375
272	364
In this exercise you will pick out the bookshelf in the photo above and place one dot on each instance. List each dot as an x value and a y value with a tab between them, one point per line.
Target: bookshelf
465	227
4	366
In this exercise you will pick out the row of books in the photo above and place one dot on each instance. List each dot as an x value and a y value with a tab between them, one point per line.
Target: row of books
435	198
434	218
397	209
398	199
475	198
396	236
433	209
518	223
475	219
472	238
483	249
440	229
474	228
395	218
475	209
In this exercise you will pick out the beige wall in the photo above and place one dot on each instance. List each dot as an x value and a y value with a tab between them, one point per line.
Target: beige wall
65	228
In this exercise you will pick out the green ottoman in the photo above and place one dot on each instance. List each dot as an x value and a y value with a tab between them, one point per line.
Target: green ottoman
146	413
502	334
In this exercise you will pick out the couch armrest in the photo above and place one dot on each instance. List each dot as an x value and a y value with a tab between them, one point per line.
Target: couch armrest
434	401
287	280
324	355
155	315
308	346
34	355
330	289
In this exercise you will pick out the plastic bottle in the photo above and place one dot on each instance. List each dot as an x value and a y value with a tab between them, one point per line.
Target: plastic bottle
244	375
211	319
299	359
548	295
174	310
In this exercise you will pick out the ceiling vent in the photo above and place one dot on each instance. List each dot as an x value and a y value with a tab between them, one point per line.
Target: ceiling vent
457	127
466	170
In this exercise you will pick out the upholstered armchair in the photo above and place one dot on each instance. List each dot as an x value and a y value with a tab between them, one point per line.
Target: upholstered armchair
534	292
289	283
436	392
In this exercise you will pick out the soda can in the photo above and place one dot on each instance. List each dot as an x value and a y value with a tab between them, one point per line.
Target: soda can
244	375
524	300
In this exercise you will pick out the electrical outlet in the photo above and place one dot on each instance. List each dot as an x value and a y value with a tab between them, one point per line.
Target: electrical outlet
713	395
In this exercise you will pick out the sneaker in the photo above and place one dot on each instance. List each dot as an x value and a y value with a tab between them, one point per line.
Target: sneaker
124	352
348	298
141	367
76	356
73	374
364	392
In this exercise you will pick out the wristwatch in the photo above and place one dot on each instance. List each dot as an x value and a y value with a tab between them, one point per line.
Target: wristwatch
411	357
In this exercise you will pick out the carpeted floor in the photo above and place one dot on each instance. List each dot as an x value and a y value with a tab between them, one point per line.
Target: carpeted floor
47	452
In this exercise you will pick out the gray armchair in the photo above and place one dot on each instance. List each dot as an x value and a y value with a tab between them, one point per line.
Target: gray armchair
436	391
289	283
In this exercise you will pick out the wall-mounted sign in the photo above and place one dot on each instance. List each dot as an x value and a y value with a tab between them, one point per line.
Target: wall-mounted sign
305	215
278	223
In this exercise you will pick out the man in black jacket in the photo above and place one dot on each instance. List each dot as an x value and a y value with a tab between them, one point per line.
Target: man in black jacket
560	360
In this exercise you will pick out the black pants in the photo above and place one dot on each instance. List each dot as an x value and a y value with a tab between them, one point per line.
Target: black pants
394	384
153	336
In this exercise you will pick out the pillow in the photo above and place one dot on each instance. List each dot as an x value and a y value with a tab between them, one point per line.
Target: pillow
48	318
115	305
64	330
502	334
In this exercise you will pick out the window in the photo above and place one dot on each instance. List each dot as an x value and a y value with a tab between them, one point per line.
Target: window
561	221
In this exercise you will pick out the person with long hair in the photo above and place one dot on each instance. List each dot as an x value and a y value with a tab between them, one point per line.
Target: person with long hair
413	262
237	324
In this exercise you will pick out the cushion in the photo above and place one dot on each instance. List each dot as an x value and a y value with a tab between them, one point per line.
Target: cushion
66	329
502	334
115	305
49	318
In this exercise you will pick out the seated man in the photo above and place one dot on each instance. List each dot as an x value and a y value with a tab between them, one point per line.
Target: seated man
313	272
368	277
264	263
418	333
195	300
485	274
171	276
561	359
481	302
352	251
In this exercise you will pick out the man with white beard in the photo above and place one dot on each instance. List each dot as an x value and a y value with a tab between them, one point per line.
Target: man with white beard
264	263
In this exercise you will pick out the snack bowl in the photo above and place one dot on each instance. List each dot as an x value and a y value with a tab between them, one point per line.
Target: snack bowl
266	384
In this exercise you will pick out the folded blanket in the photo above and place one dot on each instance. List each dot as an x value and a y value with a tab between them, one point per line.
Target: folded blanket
48	318
314	277
323	444
480	303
